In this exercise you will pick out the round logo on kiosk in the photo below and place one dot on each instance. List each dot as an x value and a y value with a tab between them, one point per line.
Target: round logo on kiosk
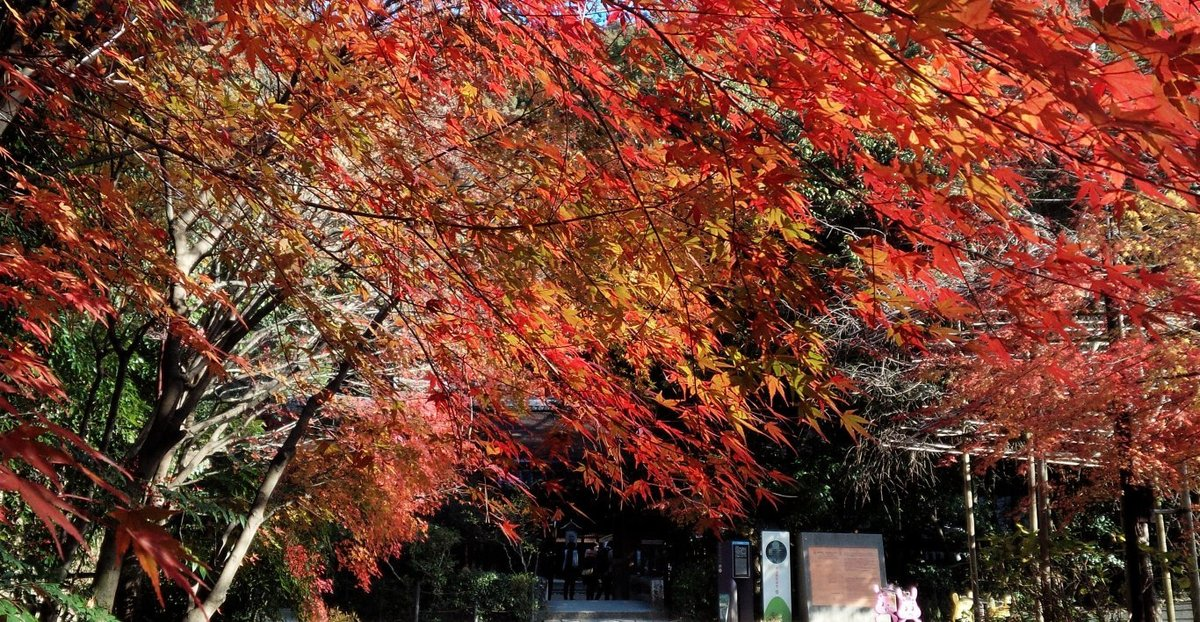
776	552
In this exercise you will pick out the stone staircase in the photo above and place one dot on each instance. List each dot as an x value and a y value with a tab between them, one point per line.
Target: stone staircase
603	611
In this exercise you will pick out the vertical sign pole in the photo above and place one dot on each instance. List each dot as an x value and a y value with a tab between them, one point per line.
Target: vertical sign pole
776	576
725	583
743	579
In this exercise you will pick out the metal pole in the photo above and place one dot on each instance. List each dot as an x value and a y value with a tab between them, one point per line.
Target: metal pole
972	552
1168	589
1189	521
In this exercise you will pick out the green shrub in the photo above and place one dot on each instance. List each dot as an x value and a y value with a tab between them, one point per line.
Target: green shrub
494	596
264	586
691	588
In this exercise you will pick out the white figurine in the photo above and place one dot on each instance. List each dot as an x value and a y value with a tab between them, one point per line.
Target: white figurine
907	609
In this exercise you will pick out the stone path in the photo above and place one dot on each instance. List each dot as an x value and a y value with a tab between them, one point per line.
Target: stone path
603	611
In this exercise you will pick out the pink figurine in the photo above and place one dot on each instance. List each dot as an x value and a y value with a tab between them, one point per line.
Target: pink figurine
907	609
885	605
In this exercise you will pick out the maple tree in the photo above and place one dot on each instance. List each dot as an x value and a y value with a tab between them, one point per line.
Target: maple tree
482	202
1100	391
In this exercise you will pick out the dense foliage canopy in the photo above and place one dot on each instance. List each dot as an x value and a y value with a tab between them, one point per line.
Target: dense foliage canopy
255	248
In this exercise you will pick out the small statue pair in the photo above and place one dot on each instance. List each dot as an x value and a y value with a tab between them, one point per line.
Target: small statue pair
962	607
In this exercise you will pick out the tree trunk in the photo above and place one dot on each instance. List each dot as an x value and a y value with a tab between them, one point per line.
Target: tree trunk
417	603
1137	510
1137	499
110	563
184	379
114	401
108	573
258	511
162	433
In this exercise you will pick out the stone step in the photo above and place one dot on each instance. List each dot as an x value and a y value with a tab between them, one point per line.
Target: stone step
593	616
599	616
1183	610
603	611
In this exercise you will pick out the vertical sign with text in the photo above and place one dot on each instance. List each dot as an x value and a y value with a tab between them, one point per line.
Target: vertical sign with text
777	576
735	581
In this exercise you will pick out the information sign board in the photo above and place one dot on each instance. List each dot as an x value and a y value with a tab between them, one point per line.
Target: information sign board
838	572
741	559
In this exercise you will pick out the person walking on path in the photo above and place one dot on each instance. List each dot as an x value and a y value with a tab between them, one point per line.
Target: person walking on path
571	562
604	571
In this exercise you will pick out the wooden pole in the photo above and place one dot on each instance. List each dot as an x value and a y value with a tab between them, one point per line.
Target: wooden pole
1043	513
1168	589
1189	523
972	550
1034	524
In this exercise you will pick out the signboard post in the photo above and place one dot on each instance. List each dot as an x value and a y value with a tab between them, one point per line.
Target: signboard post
735	582
838	571
777	576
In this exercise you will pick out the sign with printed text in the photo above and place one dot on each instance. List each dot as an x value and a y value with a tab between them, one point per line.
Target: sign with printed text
843	575
838	571
741	560
777	576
